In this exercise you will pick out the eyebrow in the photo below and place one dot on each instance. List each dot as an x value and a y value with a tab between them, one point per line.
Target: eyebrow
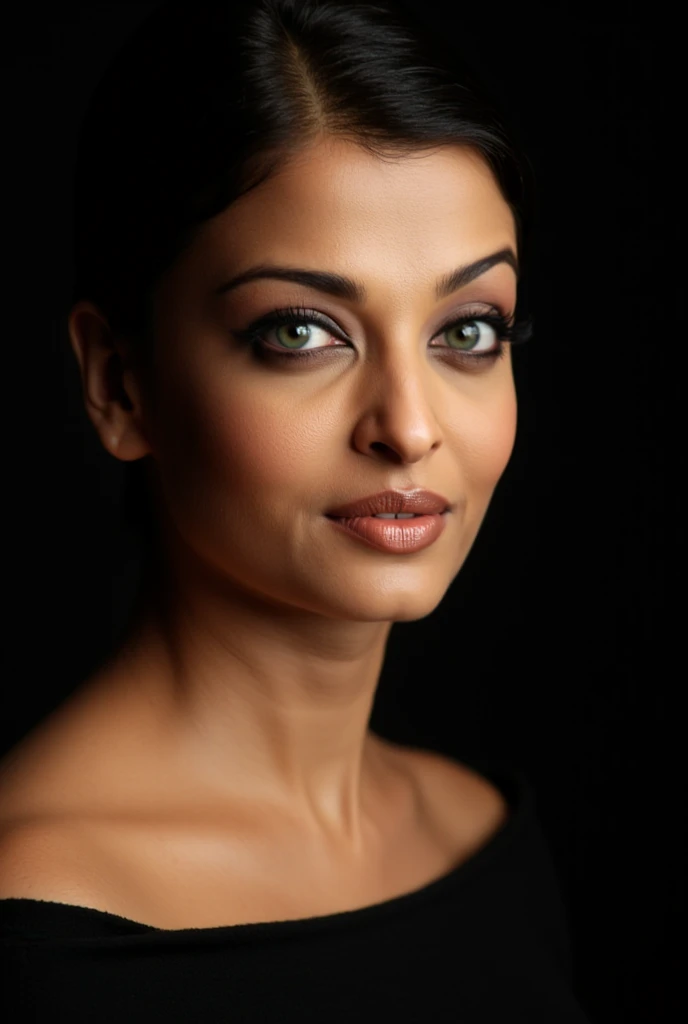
354	291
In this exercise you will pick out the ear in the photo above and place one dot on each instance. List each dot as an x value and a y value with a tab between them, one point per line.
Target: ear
111	390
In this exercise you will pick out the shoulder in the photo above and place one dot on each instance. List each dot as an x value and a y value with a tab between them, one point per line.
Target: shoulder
51	847
462	802
49	861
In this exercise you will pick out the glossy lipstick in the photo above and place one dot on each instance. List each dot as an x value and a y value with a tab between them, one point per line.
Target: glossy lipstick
400	536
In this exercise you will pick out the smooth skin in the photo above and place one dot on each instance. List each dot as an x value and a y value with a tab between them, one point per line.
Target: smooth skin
251	685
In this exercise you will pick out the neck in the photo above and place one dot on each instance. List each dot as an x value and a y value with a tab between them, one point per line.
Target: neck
268	704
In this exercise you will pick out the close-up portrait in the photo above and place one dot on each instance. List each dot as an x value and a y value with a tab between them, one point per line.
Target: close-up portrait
338	665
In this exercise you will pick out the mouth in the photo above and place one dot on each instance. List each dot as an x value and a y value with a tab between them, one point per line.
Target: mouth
398	534
419	502
402	516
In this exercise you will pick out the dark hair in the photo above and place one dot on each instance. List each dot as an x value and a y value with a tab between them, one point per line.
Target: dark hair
206	100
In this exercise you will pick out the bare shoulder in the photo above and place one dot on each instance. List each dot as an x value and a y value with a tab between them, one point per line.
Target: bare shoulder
48	861
462	802
48	849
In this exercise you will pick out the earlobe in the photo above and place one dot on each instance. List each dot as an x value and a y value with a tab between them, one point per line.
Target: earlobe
114	409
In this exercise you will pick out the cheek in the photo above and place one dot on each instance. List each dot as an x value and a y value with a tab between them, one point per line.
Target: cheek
487	433
262	447
222	444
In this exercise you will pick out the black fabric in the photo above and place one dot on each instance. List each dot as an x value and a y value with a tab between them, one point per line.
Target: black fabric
488	943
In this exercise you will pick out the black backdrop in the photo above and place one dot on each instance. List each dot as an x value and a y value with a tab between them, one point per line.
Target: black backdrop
558	648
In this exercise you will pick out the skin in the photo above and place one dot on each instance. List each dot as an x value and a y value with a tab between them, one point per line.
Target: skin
254	681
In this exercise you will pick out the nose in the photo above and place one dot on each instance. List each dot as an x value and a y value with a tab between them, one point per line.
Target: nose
397	414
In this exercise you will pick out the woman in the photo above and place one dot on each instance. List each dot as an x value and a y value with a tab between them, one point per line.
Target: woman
298	242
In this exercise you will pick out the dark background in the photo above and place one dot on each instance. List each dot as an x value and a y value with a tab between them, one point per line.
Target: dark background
558	648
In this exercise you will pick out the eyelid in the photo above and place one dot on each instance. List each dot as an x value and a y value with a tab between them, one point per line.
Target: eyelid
472	314
322	320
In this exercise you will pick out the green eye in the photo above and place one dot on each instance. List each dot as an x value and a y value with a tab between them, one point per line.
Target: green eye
299	334
470	334
477	338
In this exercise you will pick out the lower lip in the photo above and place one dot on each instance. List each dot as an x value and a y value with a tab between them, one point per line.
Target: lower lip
401	536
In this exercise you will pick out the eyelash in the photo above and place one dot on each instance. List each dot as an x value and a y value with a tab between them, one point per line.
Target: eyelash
296	316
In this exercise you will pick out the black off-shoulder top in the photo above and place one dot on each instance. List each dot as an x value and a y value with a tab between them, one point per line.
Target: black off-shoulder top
487	943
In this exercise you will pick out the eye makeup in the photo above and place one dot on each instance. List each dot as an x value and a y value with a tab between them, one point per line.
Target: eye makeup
492	326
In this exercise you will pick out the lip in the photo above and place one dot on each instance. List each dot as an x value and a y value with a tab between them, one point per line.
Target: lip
419	501
398	536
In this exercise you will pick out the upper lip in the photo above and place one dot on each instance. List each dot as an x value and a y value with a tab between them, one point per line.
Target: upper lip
418	501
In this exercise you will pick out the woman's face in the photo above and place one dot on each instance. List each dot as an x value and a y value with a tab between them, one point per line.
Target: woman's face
251	450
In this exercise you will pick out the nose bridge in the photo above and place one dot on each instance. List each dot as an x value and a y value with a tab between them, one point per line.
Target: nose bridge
399	374
398	399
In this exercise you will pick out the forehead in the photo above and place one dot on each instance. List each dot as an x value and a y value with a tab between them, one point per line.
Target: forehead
335	205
